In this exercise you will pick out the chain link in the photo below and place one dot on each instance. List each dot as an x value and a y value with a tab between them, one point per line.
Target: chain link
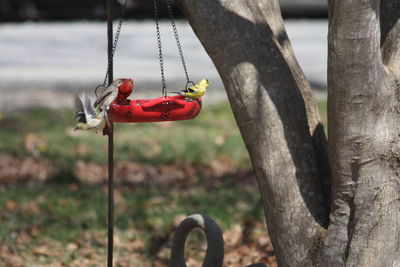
114	47
178	43
160	55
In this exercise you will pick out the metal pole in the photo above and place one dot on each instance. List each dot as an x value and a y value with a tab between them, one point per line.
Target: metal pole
110	144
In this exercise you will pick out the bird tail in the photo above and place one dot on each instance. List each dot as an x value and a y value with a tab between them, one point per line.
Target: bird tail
87	106
179	93
79	111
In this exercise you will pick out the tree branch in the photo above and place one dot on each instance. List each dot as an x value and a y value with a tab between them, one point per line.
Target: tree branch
276	114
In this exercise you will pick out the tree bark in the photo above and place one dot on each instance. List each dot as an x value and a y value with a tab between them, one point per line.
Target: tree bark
276	114
390	35
363	139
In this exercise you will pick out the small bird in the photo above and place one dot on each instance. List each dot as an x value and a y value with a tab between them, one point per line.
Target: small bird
108	96
86	116
196	91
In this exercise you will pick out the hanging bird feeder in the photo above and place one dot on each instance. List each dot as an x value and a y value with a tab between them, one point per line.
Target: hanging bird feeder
165	108
124	110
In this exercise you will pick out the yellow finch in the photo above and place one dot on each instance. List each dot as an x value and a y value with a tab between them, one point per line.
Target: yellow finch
196	91
86	116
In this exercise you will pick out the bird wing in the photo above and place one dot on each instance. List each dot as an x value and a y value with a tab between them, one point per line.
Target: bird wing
193	89
90	113
102	96
79	112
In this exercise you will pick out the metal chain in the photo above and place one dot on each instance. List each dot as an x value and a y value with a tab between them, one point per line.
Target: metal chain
178	43
161	59
114	47
160	55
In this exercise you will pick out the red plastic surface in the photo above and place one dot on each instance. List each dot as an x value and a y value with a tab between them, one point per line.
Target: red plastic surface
170	108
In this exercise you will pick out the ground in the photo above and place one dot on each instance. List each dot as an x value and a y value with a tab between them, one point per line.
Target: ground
65	224
53	190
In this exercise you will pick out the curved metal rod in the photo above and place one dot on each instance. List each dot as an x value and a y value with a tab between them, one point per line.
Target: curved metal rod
215	248
215	242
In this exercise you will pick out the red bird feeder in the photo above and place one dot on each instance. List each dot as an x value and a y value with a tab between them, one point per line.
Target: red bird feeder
165	108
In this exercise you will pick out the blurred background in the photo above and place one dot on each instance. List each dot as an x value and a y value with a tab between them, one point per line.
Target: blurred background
93	9
53	179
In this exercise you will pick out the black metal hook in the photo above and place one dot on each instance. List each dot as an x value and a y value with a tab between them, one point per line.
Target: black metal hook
187	85
97	88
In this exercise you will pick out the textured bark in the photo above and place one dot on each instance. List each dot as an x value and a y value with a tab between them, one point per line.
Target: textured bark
276	114
279	122
390	35
363	137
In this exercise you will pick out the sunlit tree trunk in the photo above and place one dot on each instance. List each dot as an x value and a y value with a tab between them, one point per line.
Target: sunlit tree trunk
277	116
363	121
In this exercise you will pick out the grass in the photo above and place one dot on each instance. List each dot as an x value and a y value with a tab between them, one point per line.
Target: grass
43	133
66	211
46	225
49	134
63	212
323	111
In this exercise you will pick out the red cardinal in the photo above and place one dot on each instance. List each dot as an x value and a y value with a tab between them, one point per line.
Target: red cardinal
125	90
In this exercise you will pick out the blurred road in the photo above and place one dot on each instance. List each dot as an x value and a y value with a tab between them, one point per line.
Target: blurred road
53	61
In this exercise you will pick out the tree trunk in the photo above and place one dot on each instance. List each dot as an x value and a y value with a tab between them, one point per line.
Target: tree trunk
277	116
363	135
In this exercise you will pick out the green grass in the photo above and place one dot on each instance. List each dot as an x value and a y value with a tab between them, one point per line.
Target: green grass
323	112
49	134
44	133
62	214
